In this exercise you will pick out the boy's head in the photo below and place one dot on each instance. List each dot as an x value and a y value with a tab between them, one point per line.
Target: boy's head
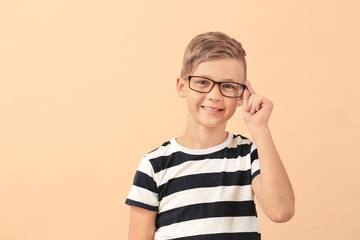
211	58
211	46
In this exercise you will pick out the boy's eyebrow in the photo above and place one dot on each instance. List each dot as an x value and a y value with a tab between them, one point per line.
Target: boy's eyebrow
224	80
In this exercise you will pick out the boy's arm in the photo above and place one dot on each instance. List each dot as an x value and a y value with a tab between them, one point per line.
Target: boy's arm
272	186
142	224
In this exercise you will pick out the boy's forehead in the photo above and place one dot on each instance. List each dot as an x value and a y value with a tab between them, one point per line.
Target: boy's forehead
224	69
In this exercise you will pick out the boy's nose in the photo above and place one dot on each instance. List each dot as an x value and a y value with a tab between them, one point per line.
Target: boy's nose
215	93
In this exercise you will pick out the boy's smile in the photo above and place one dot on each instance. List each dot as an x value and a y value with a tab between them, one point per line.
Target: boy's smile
212	109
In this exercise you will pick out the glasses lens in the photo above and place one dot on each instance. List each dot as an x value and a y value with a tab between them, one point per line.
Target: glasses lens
200	84
231	89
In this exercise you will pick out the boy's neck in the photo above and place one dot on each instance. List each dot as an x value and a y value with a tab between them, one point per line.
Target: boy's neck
202	138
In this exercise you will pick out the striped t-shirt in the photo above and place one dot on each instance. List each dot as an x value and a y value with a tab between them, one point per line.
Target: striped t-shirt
200	194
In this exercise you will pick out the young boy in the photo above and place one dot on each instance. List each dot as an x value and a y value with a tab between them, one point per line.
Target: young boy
201	185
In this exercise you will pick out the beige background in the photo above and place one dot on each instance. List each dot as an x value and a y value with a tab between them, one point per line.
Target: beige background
88	87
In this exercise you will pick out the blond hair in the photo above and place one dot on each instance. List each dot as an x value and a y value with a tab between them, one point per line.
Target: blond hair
211	46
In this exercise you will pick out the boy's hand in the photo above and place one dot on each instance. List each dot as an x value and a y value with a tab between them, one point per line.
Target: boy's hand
256	108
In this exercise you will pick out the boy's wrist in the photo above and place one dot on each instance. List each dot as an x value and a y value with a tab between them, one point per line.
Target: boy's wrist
259	130
257	127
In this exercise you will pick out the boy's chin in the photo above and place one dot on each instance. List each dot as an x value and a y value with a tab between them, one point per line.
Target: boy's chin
211	125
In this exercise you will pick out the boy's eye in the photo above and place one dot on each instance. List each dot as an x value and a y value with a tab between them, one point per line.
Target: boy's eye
228	86
202	82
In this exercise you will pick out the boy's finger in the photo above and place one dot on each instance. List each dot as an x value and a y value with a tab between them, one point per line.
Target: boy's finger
246	98
248	86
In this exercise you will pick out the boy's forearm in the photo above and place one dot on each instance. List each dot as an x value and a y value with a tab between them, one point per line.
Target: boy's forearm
275	187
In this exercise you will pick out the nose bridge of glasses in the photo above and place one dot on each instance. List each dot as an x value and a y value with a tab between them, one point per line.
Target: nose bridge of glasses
214	86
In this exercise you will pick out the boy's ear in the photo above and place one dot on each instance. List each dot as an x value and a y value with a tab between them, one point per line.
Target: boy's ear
180	86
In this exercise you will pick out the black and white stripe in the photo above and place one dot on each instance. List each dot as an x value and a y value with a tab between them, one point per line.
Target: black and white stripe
200	194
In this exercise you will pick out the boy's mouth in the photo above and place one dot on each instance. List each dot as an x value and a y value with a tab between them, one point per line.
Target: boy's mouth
212	109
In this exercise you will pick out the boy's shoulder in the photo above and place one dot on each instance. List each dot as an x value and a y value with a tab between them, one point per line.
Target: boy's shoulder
241	137
165	144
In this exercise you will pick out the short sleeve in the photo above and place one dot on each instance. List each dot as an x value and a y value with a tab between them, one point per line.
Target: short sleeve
255	163
144	191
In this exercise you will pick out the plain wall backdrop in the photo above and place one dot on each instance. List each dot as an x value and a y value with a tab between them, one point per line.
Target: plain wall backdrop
88	87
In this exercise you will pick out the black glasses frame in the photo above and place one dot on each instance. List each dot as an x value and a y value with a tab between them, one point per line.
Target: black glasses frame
215	82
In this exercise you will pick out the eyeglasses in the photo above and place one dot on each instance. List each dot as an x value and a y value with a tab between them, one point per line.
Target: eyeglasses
227	89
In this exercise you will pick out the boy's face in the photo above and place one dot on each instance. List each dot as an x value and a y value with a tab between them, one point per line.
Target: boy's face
212	109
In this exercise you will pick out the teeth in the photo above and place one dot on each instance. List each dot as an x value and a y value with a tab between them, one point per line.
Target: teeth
210	109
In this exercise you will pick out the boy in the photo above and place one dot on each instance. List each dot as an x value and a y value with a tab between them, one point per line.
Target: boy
201	185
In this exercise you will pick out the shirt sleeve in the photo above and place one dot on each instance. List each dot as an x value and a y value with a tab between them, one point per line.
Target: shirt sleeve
144	191
255	163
